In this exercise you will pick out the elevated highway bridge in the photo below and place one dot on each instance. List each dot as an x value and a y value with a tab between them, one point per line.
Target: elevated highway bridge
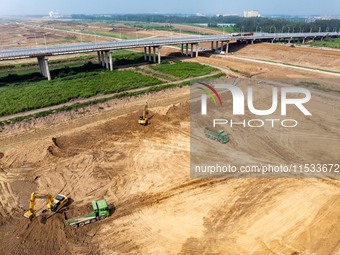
104	49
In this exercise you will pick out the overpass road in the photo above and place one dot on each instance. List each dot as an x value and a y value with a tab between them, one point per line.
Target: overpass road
104	49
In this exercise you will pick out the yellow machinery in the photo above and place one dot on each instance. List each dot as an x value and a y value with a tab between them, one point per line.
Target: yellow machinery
53	203
143	119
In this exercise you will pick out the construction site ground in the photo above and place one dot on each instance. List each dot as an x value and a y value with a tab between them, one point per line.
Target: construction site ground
101	152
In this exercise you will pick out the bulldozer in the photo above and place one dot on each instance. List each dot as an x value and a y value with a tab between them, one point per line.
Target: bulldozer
143	119
54	203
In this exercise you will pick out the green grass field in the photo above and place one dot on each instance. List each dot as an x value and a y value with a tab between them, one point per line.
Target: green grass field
184	70
22	96
329	43
25	89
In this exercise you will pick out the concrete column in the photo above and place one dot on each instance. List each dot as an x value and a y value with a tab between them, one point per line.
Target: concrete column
39	64
145	57
303	40
111	62
289	41
106	60
272	40
149	53
154	54
43	68
103	59
197	50
98	53
222	45
182	47
159	54
192	50
212	46
252	41
186	49
216	45
227	48
47	70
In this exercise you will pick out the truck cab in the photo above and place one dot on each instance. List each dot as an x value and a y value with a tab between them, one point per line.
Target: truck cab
101	209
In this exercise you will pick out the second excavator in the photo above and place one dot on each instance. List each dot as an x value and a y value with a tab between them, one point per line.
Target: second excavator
54	203
143	119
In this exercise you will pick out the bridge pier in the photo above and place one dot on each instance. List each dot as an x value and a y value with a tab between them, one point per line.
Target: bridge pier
149	53
186	49
107	60
145	56
212	46
111	62
182	49
216	45
191	50
197	44
47	70
154	54
98	53
159	54
227	48
40	66
43	67
103	60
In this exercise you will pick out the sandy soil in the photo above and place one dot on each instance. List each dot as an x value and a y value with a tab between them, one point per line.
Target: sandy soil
302	56
101	152
144	173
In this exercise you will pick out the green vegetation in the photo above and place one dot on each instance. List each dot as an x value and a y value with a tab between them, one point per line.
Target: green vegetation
329	43
183	70
25	89
258	24
221	29
127	57
316	86
69	83
234	70
76	106
70	38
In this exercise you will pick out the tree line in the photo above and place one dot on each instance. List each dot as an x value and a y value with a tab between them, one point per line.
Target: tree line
241	24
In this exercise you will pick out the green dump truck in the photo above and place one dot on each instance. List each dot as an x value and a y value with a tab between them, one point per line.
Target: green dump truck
100	211
221	136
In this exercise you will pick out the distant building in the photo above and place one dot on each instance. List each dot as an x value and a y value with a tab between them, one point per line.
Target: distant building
54	14
250	14
313	19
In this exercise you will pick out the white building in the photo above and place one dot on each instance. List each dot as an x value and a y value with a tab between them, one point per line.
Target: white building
252	13
54	15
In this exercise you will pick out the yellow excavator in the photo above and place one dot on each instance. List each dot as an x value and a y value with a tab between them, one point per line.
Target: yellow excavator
143	119
53	203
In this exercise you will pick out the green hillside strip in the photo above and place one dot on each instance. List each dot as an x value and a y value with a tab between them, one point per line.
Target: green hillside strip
24	96
152	89
183	70
328	43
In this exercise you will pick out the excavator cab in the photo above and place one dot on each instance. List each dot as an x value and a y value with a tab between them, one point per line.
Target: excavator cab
58	202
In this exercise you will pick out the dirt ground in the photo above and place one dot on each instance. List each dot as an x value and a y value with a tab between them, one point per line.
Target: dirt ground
102	152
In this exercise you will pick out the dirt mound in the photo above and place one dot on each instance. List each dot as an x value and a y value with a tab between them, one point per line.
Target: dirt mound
1	155
144	172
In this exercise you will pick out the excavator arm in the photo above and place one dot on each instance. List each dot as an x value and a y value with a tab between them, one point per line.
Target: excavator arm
53	203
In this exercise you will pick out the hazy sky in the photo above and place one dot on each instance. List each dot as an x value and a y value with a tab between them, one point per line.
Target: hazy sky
293	7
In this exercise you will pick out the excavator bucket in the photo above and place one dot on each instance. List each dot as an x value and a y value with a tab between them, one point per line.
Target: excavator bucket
28	214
